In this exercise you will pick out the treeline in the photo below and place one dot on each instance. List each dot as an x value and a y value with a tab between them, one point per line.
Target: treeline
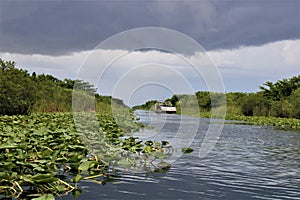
24	93
279	99
149	105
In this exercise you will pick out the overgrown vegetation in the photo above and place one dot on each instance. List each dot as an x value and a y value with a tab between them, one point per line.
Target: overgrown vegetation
46	153
22	93
280	99
43	152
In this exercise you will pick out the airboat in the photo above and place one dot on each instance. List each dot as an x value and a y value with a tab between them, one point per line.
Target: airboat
161	107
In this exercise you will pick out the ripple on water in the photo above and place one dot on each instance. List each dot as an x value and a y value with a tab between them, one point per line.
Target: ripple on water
248	162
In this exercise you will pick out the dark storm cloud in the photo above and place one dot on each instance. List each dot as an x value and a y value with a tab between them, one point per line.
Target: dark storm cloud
61	27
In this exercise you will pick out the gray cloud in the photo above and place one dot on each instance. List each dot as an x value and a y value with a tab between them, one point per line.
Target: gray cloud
62	27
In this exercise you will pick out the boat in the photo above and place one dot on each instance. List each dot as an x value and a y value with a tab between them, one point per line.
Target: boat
161	107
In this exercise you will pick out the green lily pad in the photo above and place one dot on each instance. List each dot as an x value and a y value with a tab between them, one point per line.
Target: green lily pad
187	150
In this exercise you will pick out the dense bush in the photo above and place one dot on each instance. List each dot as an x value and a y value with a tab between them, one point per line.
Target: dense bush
16	90
254	104
280	99
22	93
294	101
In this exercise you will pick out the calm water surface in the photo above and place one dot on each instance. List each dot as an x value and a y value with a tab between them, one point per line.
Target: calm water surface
248	162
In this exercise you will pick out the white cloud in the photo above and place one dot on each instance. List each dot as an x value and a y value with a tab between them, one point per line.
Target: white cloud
282	55
246	68
291	53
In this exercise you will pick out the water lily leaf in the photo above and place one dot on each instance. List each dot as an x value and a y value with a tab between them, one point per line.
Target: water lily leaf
60	188
27	178
84	166
77	178
187	150
4	176
74	166
4	187
77	193
7	165
34	147
148	149
44	178
159	155
124	163
45	197
8	146
14	175
163	167
38	168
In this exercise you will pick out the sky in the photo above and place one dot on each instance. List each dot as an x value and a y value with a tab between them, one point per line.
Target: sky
242	44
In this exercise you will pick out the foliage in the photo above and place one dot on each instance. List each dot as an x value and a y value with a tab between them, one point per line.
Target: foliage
46	153
173	100
204	100
147	106
22	93
187	104
16	90
281	89
294	101
283	123
187	150
254	104
280	99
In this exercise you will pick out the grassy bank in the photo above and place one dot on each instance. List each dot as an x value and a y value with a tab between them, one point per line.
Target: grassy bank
283	123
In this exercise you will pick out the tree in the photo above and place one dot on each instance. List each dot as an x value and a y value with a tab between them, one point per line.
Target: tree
6	65
204	100
16	90
255	104
281	89
84	86
280	108
173	100
295	104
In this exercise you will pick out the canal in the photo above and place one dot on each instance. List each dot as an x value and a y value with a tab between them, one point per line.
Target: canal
247	162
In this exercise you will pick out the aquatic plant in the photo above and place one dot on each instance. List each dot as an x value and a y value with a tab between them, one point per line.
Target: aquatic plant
42	154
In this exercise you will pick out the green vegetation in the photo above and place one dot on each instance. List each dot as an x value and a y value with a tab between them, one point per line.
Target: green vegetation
283	123
45	150
22	93
44	153
187	150
149	105
276	104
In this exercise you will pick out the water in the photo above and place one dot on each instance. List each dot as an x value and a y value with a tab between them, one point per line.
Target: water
247	162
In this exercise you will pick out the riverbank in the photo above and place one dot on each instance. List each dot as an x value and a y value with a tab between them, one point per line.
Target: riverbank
282	123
